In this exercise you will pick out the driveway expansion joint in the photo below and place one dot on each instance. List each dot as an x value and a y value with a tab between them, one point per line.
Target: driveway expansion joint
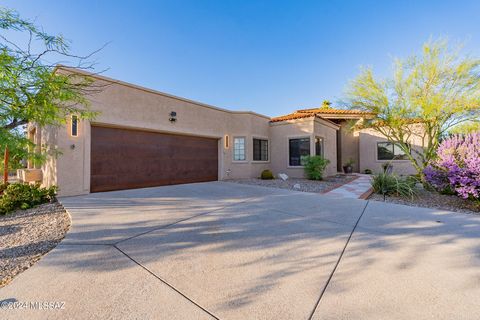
337	263
166	283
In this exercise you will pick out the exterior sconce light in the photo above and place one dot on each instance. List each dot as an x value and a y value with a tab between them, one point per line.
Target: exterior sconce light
227	142
173	116
74	126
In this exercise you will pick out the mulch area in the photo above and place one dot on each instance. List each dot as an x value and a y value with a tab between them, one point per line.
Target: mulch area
305	185
26	235
432	199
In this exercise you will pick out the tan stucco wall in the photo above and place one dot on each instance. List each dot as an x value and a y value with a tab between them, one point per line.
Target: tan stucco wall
349	145
124	105
368	153
281	132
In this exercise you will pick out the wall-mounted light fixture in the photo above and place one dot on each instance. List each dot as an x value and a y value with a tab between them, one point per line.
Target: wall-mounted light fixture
173	116
74	126
227	142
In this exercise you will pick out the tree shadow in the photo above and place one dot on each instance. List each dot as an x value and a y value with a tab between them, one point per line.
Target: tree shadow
263	245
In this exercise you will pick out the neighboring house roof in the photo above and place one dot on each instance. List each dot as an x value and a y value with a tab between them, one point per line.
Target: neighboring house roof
334	111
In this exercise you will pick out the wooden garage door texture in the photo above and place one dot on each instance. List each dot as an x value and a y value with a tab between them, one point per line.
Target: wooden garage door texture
128	159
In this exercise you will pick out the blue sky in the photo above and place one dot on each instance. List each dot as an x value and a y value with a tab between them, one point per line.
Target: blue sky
267	56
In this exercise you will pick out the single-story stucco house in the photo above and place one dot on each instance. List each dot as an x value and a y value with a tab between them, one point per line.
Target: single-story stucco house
145	138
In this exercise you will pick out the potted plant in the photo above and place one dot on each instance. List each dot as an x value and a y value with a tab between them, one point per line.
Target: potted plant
348	166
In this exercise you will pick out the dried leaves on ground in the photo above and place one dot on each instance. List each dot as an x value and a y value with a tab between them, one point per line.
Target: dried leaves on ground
27	235
305	185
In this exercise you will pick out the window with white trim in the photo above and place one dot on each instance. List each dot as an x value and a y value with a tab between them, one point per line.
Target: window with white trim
239	149
260	149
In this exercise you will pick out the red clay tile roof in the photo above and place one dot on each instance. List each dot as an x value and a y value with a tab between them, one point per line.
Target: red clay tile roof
330	111
294	116
318	112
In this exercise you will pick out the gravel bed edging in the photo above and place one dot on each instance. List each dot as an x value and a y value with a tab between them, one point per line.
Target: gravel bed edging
27	235
431	200
313	186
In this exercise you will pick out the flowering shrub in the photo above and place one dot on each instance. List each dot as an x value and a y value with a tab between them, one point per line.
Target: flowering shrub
457	167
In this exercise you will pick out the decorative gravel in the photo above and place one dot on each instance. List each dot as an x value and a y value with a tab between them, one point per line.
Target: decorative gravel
432	199
306	185
26	235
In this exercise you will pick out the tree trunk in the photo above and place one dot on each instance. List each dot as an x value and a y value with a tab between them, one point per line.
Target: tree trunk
5	166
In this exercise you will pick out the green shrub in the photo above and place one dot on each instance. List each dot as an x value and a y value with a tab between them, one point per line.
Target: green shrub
389	184
25	196
267	175
3	186
315	166
368	171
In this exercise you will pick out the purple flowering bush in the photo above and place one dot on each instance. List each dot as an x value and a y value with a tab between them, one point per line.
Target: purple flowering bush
457	167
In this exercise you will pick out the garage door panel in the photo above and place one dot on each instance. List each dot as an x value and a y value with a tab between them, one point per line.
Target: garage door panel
125	159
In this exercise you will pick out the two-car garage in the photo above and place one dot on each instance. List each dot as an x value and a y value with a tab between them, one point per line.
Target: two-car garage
126	159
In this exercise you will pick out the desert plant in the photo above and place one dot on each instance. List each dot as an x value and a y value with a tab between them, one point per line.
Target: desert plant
24	196
266	175
427	95
387	168
389	184
315	166
34	89
457	167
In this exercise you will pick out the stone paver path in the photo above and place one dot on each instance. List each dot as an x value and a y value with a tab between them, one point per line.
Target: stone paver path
356	189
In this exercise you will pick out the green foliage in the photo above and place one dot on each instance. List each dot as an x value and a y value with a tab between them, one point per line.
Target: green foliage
32	88
315	166
24	196
267	175
389	184
368	171
427	95
350	162
326	104
466	128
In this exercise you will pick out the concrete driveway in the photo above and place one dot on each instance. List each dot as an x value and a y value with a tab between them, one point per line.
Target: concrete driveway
230	251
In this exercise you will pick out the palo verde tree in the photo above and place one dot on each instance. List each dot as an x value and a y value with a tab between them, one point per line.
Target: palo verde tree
428	94
32	88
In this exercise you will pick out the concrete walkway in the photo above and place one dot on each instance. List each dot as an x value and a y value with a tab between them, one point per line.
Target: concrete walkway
228	251
356	189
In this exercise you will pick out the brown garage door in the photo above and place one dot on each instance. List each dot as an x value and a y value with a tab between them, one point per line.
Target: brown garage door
127	159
